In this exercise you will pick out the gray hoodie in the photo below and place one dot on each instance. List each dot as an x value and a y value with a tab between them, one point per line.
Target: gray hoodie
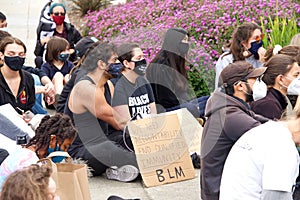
228	119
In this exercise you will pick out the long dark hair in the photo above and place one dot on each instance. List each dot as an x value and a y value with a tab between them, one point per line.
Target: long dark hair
98	51
173	61
241	34
278	65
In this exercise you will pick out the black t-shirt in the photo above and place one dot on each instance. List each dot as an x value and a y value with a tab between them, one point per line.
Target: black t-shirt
137	96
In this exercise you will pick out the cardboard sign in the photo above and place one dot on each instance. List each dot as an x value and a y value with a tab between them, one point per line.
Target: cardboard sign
161	150
191	128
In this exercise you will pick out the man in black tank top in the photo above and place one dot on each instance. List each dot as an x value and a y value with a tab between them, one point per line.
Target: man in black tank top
92	114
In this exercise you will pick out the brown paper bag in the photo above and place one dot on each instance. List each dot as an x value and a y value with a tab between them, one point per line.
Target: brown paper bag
71	180
161	150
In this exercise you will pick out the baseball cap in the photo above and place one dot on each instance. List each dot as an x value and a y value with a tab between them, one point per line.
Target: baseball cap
83	44
239	70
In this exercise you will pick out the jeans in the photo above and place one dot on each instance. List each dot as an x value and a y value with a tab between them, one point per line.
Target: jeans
38	106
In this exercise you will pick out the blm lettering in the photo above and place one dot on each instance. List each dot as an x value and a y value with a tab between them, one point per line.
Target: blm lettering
163	175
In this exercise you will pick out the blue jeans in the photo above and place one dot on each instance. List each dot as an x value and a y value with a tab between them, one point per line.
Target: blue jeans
38	106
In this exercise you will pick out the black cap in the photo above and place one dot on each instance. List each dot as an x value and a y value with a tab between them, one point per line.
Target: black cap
83	44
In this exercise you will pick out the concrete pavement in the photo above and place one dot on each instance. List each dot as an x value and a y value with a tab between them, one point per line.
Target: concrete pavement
22	17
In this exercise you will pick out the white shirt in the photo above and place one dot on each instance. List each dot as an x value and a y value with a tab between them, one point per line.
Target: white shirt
264	158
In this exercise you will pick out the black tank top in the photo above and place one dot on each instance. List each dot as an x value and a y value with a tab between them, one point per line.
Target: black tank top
91	130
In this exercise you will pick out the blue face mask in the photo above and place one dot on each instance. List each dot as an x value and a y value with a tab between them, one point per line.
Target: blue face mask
56	159
115	69
63	56
254	48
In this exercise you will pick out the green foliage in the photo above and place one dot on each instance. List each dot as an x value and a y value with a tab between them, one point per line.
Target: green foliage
201	77
198	84
210	25
83	6
279	30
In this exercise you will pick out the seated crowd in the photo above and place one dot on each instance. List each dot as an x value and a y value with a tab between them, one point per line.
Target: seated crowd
96	88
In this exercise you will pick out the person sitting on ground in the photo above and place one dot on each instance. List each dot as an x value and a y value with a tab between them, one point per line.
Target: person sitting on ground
43	84
167	75
58	66
282	70
228	118
33	182
81	47
3	22
54	133
16	85
252	169
59	28
132	92
89	102
246	44
290	50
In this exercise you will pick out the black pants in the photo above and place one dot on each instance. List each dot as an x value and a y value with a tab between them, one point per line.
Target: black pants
100	156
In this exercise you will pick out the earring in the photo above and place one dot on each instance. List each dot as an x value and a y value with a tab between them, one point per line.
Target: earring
245	53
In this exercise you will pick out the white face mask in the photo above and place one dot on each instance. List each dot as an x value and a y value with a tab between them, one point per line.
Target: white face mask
259	89
4	29
294	87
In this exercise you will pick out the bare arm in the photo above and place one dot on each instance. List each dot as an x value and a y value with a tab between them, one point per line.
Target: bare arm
86	96
48	89
103	109
153	108
121	115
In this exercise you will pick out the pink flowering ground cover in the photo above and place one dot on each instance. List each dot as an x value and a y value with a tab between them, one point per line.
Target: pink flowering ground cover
210	24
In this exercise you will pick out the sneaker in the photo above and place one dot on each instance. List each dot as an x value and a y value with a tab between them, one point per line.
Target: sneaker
125	173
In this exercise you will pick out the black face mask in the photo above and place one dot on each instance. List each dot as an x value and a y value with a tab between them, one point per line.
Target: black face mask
183	48
15	63
140	67
115	69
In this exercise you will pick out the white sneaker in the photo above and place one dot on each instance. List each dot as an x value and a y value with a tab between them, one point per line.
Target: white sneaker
125	173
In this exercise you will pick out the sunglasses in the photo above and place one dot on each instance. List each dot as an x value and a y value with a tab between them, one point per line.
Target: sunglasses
258	38
59	13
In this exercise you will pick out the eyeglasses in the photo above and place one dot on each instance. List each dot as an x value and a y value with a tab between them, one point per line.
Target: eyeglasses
59	13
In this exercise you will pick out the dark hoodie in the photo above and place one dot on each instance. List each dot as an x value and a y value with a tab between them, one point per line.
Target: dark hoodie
228	119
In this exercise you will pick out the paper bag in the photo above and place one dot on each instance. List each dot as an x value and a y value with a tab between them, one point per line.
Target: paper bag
71	180
161	150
